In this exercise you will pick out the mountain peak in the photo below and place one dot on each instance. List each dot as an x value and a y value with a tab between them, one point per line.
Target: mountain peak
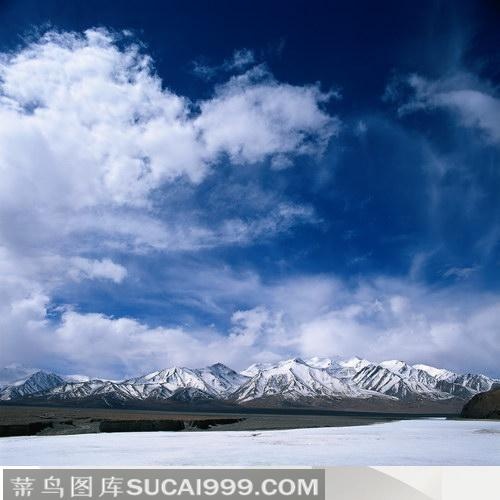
220	367
37	382
394	365
293	361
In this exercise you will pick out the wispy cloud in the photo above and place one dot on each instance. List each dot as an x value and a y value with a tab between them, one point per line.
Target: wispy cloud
240	60
460	273
475	103
82	268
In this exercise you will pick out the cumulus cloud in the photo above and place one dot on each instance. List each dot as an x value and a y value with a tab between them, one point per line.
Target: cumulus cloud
474	103
90	124
253	116
88	131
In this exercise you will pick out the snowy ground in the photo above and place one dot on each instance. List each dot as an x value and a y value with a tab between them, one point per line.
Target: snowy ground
411	442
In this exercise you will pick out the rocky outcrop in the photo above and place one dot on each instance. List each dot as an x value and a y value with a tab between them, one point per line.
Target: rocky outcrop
483	405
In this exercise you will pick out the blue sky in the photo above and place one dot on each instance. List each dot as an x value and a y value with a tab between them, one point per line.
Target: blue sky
184	183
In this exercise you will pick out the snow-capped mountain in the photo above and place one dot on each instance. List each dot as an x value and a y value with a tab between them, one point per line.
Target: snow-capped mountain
380	379
93	388
470	381
442	381
295	381
172	379
217	380
221	379
36	383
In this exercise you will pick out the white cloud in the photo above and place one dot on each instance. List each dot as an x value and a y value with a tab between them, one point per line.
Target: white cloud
255	327
475	103
82	268
90	138
460	273
48	270
99	344
305	316
252	116
89	123
387	318
380	319
88	133
241	59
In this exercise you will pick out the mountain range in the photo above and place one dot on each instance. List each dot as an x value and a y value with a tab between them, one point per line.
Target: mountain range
320	382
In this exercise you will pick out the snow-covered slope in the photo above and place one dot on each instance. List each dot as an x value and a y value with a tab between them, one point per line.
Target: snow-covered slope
437	373
221	379
173	379
292	380
255	368
190	394
476	382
